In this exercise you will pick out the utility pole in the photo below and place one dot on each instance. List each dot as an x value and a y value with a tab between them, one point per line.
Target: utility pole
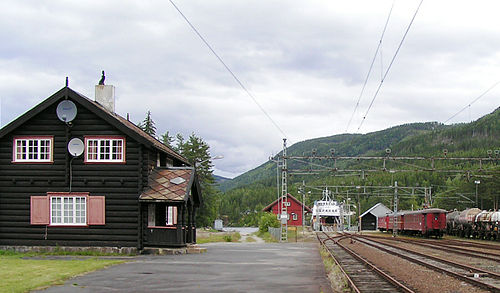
303	191
348	215
284	197
395	228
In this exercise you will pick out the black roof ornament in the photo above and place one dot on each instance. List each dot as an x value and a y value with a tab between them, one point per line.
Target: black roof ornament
101	82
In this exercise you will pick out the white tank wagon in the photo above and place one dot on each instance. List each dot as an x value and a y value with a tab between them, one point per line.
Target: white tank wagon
474	223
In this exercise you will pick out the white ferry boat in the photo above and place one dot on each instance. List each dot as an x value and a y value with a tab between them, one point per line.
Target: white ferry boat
327	214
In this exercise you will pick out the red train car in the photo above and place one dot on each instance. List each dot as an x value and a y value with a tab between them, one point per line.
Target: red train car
425	222
382	223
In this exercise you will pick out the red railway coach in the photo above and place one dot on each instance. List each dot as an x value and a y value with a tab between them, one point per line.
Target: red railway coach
425	222
386	223
382	223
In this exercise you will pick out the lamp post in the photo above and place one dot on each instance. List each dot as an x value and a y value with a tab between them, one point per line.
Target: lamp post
477	184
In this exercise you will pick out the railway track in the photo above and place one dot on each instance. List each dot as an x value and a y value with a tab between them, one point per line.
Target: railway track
453	242
458	243
361	275
444	246
475	276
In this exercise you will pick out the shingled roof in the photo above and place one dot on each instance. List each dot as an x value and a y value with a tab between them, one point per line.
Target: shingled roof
114	119
171	184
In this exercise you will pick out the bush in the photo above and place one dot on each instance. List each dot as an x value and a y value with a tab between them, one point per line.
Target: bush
268	220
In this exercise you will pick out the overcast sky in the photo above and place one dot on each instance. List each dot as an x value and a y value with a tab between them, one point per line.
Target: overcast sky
304	62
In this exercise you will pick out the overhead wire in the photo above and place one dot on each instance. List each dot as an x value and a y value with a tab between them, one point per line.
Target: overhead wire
475	100
228	69
371	67
390	65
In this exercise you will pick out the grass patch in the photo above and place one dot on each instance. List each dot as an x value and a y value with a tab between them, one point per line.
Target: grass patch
250	239
218	237
60	251
266	236
19	274
333	272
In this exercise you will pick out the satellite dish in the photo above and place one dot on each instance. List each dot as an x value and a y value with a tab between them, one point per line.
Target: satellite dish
66	111
76	147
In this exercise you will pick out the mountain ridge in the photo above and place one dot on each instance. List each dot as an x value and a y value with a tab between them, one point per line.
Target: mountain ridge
246	195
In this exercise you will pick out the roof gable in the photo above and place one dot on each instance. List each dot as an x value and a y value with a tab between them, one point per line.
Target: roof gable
114	119
377	210
290	197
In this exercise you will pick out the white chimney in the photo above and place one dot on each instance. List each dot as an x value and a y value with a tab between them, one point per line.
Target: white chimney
105	95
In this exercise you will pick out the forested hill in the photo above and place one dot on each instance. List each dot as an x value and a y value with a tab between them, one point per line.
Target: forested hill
343	144
246	195
418	139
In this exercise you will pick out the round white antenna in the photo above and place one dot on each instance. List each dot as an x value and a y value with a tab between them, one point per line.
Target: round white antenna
66	111
76	147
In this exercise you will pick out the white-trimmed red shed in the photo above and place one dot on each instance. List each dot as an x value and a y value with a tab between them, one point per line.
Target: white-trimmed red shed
294	209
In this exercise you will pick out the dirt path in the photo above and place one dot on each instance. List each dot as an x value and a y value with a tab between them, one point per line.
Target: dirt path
246	234
248	238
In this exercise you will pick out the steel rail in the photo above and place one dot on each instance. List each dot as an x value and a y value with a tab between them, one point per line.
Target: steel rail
473	244
434	267
381	273
442	246
462	266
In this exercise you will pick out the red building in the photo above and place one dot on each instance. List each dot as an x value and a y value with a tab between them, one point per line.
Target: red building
294	209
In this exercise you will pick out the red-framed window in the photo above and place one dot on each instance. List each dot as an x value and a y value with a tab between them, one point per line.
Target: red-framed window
68	209
104	149
33	149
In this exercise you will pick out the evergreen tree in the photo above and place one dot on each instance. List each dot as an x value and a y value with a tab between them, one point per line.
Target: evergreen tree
180	143
197	152
167	140
148	125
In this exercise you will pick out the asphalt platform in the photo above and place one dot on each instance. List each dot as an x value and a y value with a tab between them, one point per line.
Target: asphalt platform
225	267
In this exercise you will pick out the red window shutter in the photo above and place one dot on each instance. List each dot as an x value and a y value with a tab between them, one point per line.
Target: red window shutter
39	210
96	210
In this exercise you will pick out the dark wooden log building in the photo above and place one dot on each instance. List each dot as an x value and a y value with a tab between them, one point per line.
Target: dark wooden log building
125	190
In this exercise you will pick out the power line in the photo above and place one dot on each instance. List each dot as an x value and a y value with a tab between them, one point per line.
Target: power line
390	65
371	66
227	68
475	100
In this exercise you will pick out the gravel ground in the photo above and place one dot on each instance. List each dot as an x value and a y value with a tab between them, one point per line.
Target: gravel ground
467	260
420	278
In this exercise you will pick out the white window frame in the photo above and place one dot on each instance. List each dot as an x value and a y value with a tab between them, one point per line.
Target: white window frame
68	210
294	217
151	215
104	149
169	221
30	149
